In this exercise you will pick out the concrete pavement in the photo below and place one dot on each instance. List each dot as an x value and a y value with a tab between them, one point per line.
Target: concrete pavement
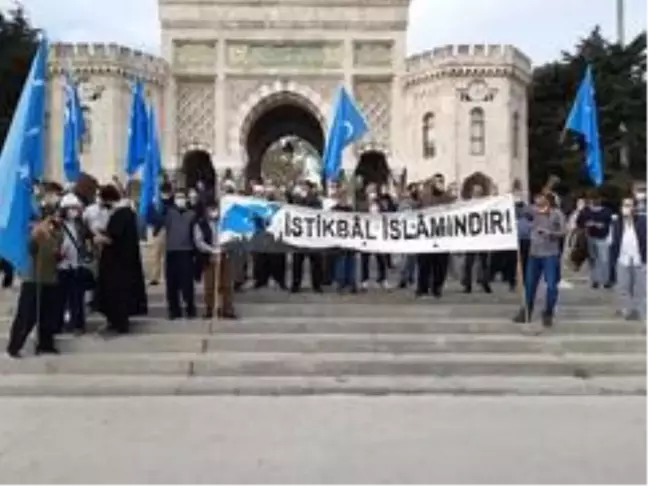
324	440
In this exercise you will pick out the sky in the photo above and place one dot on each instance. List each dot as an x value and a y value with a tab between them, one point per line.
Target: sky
540	28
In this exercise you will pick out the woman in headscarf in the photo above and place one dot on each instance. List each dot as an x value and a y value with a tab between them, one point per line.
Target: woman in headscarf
121	292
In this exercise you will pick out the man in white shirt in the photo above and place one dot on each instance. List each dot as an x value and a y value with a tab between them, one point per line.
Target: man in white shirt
96	216
629	252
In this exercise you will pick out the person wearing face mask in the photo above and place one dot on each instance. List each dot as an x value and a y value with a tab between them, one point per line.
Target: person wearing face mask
485	275
547	229
596	220
433	267
305	194
121	290
411	201
159	237
371	204
628	252
194	200
38	300
72	284
524	233
215	264
95	218
178	220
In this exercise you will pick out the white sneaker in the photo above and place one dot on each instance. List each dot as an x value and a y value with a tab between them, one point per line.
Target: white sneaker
385	285
364	285
565	285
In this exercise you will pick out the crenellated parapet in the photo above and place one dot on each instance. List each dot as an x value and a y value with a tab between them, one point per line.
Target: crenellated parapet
97	58
464	60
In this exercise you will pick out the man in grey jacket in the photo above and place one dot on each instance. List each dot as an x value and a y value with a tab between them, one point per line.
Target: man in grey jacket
547	229
178	221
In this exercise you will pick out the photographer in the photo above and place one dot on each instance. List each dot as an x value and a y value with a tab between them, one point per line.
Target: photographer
37	303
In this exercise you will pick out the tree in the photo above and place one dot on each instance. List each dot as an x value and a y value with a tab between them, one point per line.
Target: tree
619	73
18	43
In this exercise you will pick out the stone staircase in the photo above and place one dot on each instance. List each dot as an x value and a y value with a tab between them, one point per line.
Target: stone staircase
374	343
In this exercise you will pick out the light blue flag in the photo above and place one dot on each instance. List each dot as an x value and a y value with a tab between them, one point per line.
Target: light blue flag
347	127
150	196
137	130
583	119
22	163
73	131
241	219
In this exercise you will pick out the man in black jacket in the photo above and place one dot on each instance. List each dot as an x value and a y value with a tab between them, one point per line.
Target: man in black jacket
306	195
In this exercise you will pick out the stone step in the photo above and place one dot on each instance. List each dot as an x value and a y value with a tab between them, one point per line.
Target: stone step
151	385
350	343
367	325
331	364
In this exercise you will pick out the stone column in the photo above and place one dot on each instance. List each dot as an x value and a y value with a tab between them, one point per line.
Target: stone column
348	158
170	134
170	146
220	110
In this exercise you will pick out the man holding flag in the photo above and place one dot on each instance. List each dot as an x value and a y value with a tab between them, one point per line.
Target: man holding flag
32	250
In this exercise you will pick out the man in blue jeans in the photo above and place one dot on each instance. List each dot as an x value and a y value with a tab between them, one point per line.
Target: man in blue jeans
547	229
345	260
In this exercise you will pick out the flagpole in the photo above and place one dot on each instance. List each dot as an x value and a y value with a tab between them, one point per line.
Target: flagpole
620	18
623	149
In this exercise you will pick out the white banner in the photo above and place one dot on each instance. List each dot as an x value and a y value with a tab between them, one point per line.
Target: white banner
486	224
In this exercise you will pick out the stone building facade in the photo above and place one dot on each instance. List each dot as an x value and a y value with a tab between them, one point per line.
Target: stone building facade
235	75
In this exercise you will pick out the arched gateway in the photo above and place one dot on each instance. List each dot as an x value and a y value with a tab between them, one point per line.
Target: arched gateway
283	111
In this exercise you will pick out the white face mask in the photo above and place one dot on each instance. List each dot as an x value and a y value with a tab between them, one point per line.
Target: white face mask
181	203
73	214
626	211
214	214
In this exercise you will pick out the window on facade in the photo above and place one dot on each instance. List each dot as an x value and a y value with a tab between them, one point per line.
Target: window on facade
429	147
515	136
477	132
87	136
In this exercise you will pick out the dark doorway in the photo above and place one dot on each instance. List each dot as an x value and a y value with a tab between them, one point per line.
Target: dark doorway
276	123
197	166
373	168
476	179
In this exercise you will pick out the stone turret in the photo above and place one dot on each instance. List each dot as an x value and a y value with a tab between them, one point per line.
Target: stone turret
466	60
466	113
104	73
102	59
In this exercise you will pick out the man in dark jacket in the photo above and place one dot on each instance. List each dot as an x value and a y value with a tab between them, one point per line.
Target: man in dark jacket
345	260
178	221
433	267
306	195
483	258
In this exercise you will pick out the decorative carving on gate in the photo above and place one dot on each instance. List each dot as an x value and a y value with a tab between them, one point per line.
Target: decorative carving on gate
375	98
195	113
323	55
192	55
373	54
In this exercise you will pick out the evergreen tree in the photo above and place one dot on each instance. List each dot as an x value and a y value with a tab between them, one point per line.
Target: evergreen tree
18	43
619	73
